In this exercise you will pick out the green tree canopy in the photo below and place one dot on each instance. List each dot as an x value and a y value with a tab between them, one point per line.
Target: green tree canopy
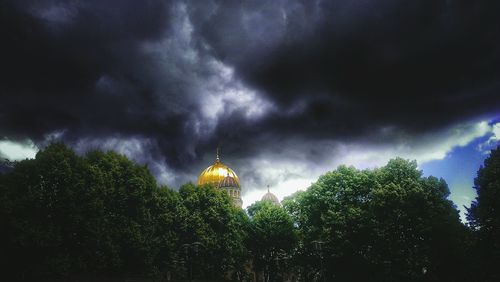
63	214
385	224
214	221
484	216
272	238
257	206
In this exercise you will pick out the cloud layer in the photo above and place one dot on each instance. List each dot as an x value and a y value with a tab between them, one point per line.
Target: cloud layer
285	87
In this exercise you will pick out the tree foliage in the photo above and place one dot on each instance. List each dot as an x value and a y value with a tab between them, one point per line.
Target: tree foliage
272	238
391	222
484	216
219	226
100	214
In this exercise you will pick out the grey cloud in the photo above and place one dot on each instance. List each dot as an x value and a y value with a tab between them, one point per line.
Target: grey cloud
165	82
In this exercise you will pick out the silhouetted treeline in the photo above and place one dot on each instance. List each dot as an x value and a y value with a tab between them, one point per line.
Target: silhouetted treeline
64	216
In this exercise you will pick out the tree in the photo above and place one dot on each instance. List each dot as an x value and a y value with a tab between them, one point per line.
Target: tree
417	227
214	221
62	215
272	238
257	206
332	211
168	224
387	224
122	223
484	216
38	214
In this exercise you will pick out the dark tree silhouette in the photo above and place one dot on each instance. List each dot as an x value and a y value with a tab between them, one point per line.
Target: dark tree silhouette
484	217
272	238
101	215
387	224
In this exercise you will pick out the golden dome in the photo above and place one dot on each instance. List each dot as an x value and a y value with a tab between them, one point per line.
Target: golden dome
215	173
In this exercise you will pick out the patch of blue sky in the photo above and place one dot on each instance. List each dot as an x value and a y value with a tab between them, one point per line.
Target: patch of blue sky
459	168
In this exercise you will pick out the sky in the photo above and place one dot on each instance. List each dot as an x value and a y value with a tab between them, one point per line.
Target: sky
287	89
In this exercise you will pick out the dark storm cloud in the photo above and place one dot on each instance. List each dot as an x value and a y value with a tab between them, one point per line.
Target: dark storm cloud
52	61
79	67
166	81
361	64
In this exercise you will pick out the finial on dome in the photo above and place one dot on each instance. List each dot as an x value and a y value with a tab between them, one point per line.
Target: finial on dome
218	154
267	188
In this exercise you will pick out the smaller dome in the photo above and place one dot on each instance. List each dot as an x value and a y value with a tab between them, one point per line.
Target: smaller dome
228	181
270	197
